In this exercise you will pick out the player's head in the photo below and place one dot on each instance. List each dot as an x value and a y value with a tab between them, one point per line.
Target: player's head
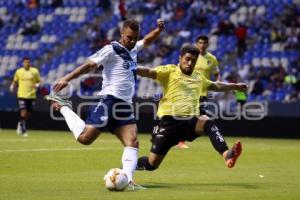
26	62
188	58
202	43
130	33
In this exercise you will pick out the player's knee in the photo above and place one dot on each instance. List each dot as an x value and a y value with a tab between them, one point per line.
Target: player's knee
83	139
153	166
204	118
200	125
25	116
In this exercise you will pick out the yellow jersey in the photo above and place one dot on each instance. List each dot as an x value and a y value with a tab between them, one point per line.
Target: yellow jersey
206	65
181	92
26	80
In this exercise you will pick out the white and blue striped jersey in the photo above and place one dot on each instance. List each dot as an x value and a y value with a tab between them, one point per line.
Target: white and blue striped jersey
119	69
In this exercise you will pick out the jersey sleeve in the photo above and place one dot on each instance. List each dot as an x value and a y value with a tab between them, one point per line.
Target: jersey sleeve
215	69
139	45
205	83
38	77
102	55
162	73
16	77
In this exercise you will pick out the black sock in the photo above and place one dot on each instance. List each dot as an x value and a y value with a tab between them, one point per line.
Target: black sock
143	164
215	136
23	125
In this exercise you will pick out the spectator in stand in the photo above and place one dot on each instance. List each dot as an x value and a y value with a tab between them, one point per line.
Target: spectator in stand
92	33
290	78
21	3
57	3
31	28
179	14
278	77
105	4
122	9
15	19
1	23
225	27
293	97
96	37
32	4
241	35
258	87
293	39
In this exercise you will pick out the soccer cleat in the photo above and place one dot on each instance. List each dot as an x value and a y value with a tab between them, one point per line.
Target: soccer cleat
58	102
232	155
19	128
182	145
134	186
25	134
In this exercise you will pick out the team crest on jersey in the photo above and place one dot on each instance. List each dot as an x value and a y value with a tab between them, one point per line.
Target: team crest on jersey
128	63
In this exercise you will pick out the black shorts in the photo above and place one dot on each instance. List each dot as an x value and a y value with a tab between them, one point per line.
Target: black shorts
25	104
168	131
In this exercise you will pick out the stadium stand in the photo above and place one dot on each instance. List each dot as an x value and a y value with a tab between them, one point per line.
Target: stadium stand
254	40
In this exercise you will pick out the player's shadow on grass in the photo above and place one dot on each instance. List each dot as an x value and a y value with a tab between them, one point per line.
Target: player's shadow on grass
222	186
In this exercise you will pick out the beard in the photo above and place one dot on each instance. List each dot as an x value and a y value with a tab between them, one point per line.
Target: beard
186	71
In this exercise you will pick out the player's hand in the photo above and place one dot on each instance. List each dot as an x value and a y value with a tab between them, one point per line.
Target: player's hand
241	87
11	88
160	24
59	85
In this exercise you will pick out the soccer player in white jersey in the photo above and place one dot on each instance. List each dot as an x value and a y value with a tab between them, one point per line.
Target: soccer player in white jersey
114	110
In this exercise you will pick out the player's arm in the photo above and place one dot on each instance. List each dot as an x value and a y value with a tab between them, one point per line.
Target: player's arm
38	81
223	87
13	86
150	37
146	72
82	69
14	83
216	70
217	76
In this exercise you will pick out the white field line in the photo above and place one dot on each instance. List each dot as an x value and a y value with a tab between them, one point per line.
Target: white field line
59	149
51	140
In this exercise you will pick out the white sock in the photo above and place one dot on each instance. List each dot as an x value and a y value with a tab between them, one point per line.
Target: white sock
75	123
129	161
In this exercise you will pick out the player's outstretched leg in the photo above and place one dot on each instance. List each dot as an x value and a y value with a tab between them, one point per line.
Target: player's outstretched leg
85	134
232	154
143	164
74	122
209	127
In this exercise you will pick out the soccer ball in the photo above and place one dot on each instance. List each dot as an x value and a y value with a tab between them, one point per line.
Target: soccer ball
116	180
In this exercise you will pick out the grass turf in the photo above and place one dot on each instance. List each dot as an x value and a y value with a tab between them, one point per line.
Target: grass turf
52	165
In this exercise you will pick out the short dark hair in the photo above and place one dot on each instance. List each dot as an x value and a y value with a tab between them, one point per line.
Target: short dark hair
26	58
202	37
189	49
132	24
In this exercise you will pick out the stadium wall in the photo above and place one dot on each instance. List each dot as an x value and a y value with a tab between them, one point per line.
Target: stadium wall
280	122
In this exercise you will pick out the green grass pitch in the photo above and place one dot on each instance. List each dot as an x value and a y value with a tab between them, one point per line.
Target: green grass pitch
52	165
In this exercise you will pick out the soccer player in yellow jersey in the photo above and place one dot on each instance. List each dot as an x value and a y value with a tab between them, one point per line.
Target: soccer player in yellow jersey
178	110
27	78
206	65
